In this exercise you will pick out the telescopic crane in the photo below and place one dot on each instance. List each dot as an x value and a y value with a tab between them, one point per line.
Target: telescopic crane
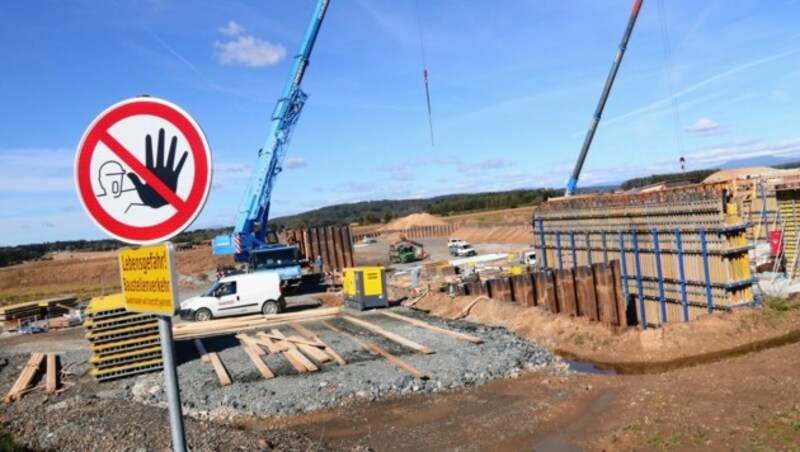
573	180
251	241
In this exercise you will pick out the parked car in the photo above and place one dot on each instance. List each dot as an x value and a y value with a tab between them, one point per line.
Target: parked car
236	295
463	250
367	240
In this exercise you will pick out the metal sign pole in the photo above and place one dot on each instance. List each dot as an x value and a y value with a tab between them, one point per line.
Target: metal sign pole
172	387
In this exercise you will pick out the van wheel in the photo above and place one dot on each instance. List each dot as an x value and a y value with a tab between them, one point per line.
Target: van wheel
269	307
202	315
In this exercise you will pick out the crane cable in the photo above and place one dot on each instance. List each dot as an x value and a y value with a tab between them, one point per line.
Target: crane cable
676	117
425	73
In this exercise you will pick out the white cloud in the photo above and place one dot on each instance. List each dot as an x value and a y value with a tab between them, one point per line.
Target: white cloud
294	162
249	51
231	29
705	126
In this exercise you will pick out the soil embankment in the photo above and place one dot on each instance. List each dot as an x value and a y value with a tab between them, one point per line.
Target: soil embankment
708	339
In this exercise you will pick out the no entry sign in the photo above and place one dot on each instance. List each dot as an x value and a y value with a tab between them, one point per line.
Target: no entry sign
143	170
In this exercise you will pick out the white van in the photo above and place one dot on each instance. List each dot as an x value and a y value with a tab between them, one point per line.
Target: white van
236	295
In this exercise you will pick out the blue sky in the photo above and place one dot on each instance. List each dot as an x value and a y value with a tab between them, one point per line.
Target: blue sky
513	87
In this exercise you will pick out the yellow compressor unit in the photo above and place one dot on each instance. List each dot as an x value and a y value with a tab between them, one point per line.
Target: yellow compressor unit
365	288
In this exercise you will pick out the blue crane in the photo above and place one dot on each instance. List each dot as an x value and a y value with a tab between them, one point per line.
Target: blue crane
251	241
573	180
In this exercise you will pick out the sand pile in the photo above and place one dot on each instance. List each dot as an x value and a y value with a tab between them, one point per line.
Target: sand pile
498	234
414	220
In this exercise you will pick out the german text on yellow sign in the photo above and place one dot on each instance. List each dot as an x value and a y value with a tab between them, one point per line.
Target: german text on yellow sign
148	282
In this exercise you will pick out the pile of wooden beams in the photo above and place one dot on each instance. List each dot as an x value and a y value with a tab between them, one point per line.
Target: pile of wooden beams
305	351
683	250
39	309
123	343
22	384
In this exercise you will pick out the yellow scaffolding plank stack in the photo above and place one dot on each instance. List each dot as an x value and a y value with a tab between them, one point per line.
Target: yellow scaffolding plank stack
122	343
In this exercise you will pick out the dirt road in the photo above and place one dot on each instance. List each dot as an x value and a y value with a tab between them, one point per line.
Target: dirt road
747	403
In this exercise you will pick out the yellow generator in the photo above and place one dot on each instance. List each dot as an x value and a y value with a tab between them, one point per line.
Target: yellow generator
365	288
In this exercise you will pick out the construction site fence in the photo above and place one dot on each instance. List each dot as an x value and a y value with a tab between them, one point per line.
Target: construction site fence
333	243
591	291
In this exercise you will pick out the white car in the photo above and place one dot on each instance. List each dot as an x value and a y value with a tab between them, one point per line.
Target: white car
236	295
463	250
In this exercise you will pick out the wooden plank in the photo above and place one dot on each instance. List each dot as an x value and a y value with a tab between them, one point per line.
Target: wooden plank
201	349
219	368
311	335
427	326
228	326
52	374
260	364
585	290
25	377
294	339
314	353
376	350
249	343
274	348
295	353
389	335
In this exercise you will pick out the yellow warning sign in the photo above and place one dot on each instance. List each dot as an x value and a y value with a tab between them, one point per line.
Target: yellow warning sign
148	282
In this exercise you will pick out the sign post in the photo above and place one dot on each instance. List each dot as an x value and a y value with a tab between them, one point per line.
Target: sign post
143	173
149	286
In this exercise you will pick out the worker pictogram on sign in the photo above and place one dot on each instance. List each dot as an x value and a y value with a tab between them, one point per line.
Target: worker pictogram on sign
143	170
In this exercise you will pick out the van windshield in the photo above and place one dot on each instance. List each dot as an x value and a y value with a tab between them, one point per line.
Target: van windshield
271	259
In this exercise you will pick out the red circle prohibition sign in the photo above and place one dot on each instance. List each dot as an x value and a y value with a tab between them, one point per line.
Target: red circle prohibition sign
186	209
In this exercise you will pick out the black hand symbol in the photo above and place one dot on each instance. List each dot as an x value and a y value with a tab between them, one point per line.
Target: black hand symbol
164	172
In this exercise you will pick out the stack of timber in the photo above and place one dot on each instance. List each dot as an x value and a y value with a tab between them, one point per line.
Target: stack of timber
36	310
333	243
123	343
683	251
194	330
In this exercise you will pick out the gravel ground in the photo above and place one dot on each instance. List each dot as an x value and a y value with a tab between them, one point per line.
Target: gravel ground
455	364
89	416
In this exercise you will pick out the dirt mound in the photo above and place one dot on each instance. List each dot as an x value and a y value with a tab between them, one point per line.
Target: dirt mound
730	174
499	234
675	344
414	220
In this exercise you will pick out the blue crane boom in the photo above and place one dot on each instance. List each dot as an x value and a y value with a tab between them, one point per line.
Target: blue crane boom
250	228
573	180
